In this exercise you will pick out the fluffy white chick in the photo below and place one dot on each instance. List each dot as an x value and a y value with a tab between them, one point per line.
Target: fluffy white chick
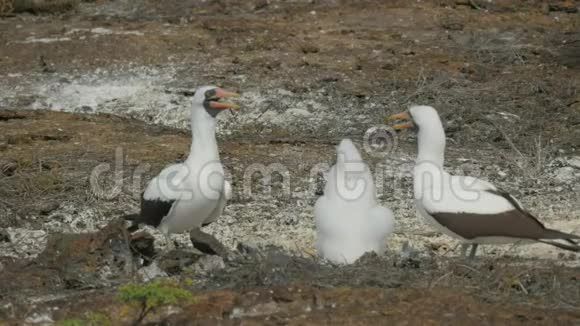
349	221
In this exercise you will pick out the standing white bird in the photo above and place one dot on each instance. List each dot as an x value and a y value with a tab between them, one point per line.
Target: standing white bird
349	221
191	194
469	209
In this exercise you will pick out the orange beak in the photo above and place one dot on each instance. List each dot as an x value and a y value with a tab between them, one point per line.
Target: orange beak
220	93
404	125
401	116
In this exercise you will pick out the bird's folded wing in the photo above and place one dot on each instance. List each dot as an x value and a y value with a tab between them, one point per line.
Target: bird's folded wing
458	194
154	210
225	195
473	208
510	224
161	194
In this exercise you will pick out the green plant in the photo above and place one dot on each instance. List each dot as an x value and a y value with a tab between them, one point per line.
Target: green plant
91	319
97	319
152	295
71	322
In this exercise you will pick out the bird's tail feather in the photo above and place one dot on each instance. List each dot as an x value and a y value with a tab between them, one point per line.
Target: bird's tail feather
555	234
571	247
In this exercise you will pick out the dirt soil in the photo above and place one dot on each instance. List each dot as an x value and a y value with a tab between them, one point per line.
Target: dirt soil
102	91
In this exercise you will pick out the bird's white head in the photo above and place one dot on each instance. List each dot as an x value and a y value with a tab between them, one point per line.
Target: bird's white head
208	98
431	135
418	116
423	115
349	152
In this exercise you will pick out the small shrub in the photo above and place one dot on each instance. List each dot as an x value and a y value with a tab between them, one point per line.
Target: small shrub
91	319
97	319
152	295
71	322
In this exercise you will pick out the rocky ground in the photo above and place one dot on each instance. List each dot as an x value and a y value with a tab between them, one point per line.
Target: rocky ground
94	101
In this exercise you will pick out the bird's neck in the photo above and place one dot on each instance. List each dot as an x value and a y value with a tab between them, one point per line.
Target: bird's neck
203	143
351	186
428	173
431	144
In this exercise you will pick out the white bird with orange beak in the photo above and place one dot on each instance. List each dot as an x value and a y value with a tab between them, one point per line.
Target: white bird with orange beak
191	194
469	209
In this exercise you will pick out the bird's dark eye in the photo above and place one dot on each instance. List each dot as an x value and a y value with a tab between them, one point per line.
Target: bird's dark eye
210	94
